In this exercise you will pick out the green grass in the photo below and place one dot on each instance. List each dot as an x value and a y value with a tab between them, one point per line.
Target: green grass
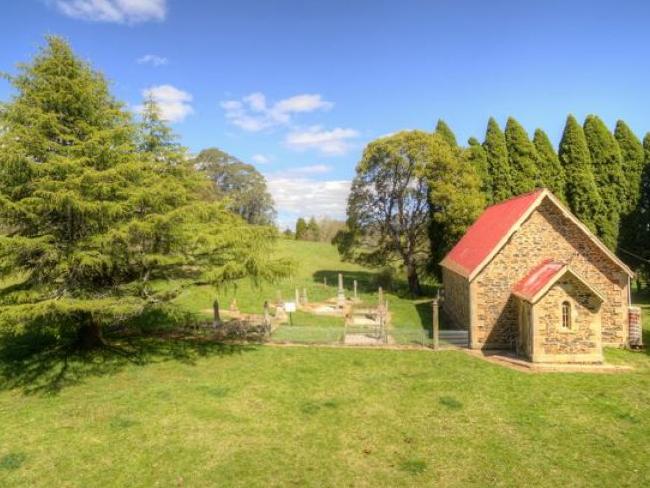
202	415
313	262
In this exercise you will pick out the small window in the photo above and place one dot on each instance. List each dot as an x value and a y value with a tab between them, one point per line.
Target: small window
566	315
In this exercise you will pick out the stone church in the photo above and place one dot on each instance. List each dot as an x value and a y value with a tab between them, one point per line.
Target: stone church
529	276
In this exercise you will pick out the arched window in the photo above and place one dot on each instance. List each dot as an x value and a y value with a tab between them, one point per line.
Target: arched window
566	315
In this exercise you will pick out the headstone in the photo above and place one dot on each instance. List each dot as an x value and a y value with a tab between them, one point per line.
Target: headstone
267	315
305	301
355	290
340	294
297	297
216	322
280	314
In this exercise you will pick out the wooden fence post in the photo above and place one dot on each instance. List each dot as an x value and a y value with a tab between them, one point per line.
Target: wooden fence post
436	323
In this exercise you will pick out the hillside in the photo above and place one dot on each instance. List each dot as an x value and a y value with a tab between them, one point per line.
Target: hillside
313	263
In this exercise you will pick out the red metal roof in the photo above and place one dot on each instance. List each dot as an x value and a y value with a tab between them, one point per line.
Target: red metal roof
486	233
537	278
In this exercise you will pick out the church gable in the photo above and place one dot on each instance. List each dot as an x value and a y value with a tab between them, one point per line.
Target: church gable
548	233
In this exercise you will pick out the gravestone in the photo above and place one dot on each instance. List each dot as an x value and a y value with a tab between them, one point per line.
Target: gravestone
297	298
355	290
305	301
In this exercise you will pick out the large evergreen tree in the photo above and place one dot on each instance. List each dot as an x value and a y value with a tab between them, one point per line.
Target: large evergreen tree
443	130
497	159
477	157
581	191
88	222
606	163
550	169
522	157
633	161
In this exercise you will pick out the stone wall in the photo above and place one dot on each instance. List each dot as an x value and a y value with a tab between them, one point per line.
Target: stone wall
583	339
545	234
456	303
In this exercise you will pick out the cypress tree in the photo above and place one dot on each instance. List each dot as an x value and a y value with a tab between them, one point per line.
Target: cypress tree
642	248
633	159
443	130
477	157
522	157
497	159
88	222
581	191
550	169
606	163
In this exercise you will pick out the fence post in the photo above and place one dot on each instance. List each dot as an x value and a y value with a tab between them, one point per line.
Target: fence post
436	323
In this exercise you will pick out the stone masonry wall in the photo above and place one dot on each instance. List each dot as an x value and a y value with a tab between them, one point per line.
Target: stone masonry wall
546	234
456	303
584	335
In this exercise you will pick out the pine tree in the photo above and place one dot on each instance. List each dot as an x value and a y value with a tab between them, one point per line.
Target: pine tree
581	191
497	159
606	163
477	157
89	222
633	161
443	130
522	157
551	171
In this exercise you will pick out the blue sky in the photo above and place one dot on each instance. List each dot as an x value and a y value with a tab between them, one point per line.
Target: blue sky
299	87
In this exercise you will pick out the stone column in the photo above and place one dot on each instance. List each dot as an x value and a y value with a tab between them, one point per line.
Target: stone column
305	301
297	298
340	294
355	290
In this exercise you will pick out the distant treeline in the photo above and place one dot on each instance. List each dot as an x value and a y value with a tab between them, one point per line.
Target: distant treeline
318	230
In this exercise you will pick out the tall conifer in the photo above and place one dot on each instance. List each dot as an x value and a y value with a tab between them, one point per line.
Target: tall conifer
550	169
497	159
443	130
477	156
633	159
522	157
581	190
89	222
606	163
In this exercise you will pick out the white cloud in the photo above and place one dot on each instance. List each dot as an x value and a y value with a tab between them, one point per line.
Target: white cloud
333	142
253	113
260	159
153	59
119	11
174	104
296	197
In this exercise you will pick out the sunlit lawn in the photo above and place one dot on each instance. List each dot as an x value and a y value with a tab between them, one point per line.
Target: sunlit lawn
191	415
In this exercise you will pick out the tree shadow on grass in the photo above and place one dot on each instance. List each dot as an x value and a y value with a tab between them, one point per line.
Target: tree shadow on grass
40	363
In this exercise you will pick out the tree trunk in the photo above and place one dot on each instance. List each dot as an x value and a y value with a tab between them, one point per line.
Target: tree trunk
413	280
90	335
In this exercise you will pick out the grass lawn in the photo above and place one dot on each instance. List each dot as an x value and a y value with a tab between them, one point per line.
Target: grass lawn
314	261
184	415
